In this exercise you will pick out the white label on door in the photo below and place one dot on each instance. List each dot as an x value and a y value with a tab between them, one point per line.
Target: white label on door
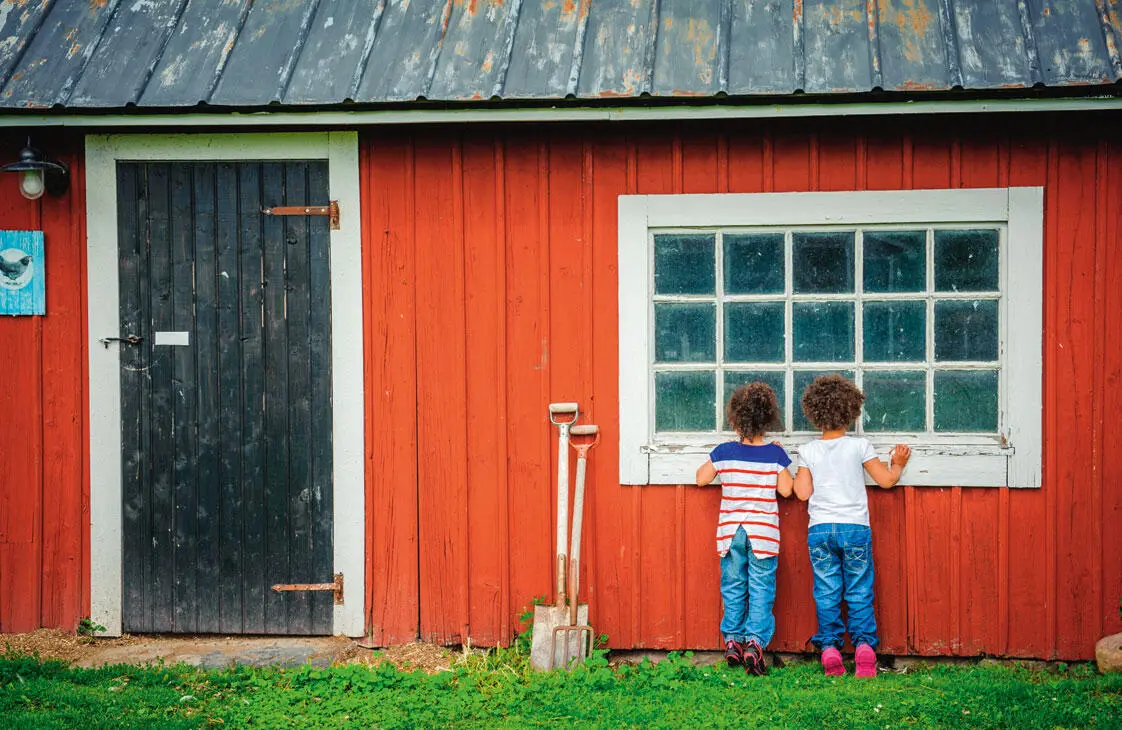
180	339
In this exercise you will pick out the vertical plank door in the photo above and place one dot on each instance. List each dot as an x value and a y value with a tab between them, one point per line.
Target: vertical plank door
225	397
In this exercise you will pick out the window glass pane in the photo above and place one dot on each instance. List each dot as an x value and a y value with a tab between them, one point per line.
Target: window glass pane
754	332
804	378
966	400
895	331
823	331
753	263
966	330
895	401
684	401
822	262
895	261
685	332
966	260
776	379
685	264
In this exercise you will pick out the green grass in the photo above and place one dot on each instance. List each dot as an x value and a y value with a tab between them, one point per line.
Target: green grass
498	690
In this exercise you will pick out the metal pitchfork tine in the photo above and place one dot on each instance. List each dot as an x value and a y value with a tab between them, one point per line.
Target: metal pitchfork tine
577	636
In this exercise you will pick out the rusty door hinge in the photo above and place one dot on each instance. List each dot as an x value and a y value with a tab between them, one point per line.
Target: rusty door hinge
331	210
335	587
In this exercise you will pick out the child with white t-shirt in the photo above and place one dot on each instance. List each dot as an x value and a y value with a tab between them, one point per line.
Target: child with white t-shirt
831	476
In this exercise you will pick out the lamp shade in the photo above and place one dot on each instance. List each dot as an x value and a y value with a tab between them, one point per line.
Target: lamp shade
38	174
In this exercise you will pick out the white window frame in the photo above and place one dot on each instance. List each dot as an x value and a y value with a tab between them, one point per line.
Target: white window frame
1012	459
340	149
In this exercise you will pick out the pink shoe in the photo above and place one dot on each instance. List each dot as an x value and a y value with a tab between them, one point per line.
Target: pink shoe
832	662
866	661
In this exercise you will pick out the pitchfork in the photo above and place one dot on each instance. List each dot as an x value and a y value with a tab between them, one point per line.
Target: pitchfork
577	636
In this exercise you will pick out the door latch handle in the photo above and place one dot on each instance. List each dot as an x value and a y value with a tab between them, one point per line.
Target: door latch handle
129	340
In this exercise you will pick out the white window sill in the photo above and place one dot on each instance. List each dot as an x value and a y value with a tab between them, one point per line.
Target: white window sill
931	465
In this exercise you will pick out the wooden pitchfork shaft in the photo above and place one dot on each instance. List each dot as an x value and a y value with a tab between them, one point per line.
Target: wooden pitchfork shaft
562	415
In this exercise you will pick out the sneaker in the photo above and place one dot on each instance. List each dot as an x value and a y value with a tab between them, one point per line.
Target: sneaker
832	662
754	659
866	661
734	654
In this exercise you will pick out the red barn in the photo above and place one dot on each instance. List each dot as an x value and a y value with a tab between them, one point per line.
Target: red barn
313	274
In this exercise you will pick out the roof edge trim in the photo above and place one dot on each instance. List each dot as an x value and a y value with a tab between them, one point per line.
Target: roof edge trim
332	118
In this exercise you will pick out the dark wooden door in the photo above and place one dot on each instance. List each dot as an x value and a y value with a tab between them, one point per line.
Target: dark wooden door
226	398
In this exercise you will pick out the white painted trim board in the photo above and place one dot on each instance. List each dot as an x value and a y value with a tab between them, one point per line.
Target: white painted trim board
645	461
340	149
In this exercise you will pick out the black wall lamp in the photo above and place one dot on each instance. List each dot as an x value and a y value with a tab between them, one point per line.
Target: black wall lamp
38	174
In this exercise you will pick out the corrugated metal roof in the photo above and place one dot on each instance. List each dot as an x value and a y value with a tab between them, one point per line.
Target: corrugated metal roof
109	54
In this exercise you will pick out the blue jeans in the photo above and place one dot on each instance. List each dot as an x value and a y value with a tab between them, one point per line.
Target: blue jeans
842	558
748	592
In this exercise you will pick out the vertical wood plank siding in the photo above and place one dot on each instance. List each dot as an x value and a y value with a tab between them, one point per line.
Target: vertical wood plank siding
490	289
44	482
491	285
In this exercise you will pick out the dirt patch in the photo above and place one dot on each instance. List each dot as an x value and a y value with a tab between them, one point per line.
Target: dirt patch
56	644
429	658
220	651
216	652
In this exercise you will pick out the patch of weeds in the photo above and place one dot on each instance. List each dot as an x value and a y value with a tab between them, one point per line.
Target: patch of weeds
524	638
88	628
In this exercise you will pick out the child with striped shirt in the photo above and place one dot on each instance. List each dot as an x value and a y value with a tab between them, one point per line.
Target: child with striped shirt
752	473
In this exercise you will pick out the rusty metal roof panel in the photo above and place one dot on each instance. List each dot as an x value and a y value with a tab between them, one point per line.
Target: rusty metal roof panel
405	51
618	49
1069	49
762	48
127	54
196	53
836	46
912	38
18	23
335	54
548	43
265	53
690	54
476	50
249	54
992	47
1110	17
52	63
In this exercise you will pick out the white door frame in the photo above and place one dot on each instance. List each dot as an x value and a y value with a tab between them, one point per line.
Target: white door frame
340	149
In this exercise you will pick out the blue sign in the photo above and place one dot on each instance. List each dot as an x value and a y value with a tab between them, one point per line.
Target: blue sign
22	272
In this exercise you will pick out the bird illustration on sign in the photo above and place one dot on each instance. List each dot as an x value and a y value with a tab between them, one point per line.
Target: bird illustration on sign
16	268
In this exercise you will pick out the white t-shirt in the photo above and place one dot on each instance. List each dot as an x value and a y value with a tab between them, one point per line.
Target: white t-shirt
837	466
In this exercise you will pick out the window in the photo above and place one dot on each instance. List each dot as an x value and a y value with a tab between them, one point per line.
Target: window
928	300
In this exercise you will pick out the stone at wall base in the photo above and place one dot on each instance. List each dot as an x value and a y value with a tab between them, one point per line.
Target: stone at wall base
1108	653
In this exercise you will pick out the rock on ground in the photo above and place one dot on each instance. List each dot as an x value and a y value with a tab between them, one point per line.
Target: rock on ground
1108	653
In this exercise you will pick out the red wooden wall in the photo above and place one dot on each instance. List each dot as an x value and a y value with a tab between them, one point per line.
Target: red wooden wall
490	270
44	512
491	290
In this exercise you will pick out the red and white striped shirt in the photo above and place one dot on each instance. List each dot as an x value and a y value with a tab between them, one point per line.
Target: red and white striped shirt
748	498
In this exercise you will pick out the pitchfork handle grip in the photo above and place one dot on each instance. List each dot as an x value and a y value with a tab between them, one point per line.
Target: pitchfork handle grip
562	508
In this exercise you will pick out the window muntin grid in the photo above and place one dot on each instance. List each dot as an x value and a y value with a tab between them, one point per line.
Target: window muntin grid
842	295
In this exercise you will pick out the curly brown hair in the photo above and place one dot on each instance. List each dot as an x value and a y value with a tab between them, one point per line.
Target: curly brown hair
832	402
753	410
